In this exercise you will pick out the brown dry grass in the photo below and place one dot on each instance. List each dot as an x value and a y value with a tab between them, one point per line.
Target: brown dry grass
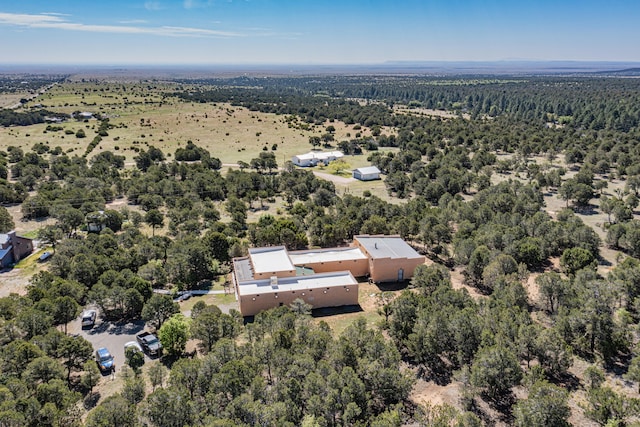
146	115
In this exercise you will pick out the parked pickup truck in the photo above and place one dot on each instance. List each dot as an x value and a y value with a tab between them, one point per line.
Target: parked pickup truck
150	343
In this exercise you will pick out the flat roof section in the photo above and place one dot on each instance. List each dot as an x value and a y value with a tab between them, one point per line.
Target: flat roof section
387	247
242	269
297	283
270	260
326	255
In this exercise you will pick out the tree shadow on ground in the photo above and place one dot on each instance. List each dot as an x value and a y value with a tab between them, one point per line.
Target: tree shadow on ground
504	405
91	400
393	286
568	381
119	328
436	373
331	311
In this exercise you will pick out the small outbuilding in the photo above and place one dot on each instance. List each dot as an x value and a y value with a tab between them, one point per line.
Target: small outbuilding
13	248
369	173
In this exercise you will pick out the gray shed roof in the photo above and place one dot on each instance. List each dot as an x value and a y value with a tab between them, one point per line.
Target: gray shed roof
387	247
368	170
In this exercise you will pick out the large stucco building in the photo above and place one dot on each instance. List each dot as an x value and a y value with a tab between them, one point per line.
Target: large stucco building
272	276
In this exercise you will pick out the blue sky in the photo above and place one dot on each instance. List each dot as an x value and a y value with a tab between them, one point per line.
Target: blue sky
154	32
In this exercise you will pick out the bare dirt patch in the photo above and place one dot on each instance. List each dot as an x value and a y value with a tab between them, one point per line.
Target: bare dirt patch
429	392
402	109
457	282
13	282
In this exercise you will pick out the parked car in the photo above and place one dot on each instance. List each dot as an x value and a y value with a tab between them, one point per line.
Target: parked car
45	256
88	318
150	343
105	360
134	345
183	296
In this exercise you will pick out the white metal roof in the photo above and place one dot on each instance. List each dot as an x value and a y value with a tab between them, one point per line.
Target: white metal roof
320	155
368	170
270	259
326	255
306	156
297	283
327	154
387	247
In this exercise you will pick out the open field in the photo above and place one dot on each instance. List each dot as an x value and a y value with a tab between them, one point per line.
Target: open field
144	115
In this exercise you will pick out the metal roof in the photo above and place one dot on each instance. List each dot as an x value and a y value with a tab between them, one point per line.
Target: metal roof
368	170
4	252
270	259
326	255
297	283
242	269
387	247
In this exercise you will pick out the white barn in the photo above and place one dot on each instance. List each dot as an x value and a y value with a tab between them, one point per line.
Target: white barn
367	174
313	158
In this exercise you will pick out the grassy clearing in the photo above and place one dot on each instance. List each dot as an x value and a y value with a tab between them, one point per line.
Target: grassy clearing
30	264
368	299
210	299
144	115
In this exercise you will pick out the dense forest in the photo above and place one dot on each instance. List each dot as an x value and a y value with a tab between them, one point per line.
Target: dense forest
469	192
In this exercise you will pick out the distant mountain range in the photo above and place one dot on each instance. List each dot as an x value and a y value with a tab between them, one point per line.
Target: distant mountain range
504	68
630	72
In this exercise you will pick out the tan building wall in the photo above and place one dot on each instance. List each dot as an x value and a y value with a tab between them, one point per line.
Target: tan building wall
388	269
357	267
268	275
335	296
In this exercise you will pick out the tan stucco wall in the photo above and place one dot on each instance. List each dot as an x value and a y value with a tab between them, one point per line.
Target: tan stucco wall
325	297
267	275
386	269
357	267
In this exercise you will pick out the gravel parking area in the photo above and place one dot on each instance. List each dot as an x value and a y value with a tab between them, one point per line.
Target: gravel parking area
113	336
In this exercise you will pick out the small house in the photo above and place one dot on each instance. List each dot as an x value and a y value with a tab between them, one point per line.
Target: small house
313	158
304	160
369	173
13	248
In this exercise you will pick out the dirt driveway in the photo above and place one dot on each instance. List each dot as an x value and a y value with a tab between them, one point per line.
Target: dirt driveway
334	178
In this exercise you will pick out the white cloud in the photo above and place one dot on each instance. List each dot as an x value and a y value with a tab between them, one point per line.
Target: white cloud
200	31
55	22
195	4
134	21
153	5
